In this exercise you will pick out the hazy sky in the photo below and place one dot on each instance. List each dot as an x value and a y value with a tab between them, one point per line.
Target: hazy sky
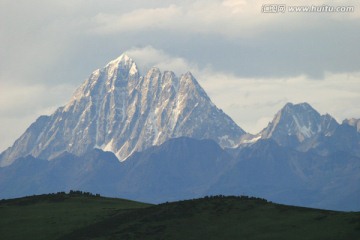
250	63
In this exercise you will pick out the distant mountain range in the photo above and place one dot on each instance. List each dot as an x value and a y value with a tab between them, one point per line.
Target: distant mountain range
174	143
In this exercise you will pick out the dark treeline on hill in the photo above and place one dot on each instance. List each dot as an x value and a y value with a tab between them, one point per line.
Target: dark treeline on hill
82	215
220	196
78	192
59	196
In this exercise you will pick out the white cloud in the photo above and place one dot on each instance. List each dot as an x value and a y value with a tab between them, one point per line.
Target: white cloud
21	105
148	57
252	102
200	16
138	19
240	18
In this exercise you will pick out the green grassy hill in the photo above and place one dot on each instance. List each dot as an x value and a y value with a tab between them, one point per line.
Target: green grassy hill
54	215
64	216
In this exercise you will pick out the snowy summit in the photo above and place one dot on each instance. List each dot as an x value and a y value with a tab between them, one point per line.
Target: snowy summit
118	110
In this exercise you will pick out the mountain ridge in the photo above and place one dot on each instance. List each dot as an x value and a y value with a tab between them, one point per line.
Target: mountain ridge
183	168
118	110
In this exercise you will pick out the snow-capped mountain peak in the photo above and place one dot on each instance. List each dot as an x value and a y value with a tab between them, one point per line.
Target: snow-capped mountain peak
123	61
298	123
118	110
122	65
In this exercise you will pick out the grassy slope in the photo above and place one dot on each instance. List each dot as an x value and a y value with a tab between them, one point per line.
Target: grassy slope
209	218
51	216
225	218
